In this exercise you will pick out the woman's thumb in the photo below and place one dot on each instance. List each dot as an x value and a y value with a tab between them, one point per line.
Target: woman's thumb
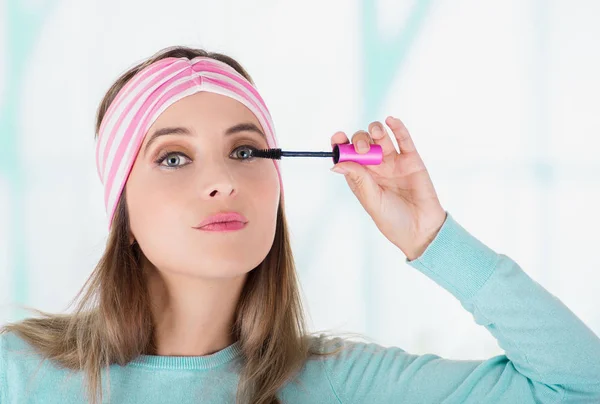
360	181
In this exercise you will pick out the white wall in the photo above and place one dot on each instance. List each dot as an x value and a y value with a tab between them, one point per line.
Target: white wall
501	99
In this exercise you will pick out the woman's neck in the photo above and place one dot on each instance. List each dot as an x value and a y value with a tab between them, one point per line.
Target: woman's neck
192	316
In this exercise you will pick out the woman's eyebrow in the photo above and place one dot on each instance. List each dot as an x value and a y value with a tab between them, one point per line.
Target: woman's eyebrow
166	131
245	127
241	127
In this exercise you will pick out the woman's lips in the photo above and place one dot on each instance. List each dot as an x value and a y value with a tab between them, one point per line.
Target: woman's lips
223	221
224	226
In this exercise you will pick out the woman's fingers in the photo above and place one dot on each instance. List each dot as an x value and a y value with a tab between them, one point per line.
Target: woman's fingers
378	134
339	138
381	137
405	142
361	141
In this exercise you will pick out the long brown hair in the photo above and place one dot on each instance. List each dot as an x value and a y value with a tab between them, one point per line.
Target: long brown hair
112	321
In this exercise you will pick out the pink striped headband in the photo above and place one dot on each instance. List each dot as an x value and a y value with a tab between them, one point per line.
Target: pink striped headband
149	93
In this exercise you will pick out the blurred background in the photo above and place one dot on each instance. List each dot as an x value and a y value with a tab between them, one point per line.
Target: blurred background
501	99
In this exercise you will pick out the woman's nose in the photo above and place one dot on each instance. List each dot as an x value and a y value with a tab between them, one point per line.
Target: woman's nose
221	190
218	182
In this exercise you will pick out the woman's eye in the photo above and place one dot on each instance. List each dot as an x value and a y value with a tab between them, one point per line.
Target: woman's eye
242	152
173	160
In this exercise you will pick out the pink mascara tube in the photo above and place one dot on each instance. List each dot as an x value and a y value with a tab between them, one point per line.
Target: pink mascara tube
339	154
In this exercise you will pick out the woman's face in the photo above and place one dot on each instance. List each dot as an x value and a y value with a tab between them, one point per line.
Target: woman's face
180	178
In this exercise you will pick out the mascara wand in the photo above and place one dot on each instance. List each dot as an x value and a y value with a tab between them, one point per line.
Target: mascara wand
340	153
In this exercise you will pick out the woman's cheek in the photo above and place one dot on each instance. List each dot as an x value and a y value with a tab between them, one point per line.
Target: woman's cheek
261	174
168	182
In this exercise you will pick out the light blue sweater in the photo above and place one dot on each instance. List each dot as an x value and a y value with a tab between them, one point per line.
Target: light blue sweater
551	356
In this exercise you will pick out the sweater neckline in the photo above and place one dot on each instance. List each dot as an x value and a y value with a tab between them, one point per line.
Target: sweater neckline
188	362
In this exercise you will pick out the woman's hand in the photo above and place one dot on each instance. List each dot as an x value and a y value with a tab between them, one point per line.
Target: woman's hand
398	194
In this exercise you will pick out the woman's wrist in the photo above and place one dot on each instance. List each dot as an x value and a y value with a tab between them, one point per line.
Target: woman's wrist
425	237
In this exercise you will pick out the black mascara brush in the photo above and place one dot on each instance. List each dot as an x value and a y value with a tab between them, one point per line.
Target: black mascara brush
340	153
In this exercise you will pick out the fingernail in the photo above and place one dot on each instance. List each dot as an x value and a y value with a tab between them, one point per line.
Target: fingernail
376	130
338	170
363	146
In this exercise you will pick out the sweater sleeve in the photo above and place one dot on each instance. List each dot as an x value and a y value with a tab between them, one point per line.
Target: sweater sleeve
551	356
3	376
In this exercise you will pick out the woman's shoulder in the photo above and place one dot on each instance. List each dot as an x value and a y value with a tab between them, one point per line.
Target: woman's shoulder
11	343
344	361
15	352
16	359
349	347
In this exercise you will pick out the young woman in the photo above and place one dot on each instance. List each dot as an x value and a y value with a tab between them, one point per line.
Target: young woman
195	299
